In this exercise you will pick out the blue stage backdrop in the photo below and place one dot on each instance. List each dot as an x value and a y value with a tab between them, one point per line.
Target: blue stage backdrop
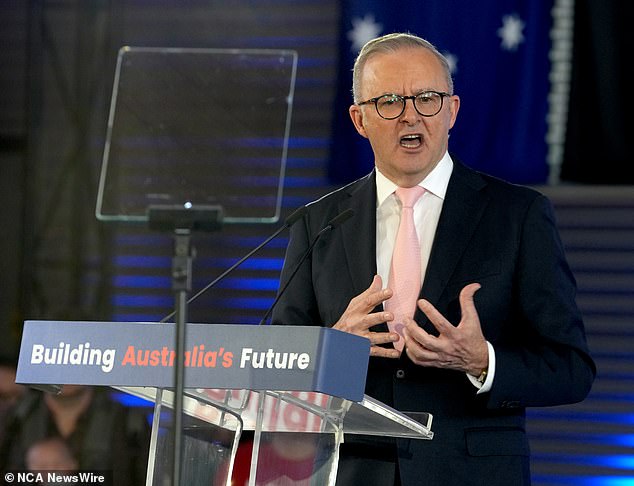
499	56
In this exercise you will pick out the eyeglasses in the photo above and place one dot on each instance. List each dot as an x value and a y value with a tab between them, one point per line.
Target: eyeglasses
391	106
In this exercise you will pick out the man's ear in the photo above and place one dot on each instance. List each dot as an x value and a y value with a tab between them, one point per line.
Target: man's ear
356	115
453	108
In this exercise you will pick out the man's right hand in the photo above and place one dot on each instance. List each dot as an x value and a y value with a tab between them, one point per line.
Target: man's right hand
358	318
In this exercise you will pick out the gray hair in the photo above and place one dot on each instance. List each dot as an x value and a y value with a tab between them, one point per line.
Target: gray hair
391	43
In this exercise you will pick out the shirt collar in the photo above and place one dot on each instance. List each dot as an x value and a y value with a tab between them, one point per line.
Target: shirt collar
436	181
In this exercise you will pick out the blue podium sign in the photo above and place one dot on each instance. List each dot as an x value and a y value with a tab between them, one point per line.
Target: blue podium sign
288	358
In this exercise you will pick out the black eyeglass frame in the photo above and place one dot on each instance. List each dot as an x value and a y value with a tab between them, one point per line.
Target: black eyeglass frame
375	100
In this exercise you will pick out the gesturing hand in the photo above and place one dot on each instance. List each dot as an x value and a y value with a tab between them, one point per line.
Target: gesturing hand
358	318
460	347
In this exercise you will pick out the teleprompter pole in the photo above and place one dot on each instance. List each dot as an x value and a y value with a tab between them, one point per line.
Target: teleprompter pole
181	285
182	221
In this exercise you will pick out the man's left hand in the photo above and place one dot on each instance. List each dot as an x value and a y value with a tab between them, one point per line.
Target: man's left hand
460	347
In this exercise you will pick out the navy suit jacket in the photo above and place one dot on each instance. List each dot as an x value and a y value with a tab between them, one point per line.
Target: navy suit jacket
499	235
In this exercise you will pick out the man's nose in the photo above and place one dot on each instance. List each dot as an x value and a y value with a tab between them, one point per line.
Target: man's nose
410	114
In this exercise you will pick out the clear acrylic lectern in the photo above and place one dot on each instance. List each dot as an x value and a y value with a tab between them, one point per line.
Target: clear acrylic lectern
296	435
297	404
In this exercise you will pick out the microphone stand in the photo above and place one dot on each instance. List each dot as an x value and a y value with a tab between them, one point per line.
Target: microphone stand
288	222
333	223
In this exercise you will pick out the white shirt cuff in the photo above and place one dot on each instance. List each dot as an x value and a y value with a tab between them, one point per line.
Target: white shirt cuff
488	382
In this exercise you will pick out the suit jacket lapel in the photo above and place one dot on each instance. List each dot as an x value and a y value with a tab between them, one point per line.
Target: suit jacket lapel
361	255
462	209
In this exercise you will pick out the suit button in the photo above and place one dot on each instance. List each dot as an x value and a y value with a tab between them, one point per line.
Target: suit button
510	404
400	374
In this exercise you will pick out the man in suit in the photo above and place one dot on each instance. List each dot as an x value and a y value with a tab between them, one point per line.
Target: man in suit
495	328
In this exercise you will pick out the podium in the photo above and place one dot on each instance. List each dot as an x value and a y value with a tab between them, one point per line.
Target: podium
296	435
296	391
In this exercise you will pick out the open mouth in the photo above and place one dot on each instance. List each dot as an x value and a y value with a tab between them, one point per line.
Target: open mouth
411	141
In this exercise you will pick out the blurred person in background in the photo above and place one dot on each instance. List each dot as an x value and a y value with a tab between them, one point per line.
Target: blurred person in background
101	434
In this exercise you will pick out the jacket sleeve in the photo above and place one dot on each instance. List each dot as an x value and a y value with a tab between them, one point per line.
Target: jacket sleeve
297	305
550	363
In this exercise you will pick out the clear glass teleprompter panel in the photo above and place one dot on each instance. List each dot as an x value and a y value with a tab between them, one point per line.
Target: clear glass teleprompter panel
198	127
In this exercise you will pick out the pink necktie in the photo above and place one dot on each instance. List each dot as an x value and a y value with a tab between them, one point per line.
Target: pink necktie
404	277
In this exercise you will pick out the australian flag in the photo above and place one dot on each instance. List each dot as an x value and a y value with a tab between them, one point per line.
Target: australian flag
499	55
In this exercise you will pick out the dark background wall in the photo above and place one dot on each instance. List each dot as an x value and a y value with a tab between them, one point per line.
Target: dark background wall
601	98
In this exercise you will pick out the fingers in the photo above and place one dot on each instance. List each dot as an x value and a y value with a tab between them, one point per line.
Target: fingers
369	320
436	318
417	337
380	352
376	284
467	309
363	304
374	295
467	305
421	347
358	316
460	347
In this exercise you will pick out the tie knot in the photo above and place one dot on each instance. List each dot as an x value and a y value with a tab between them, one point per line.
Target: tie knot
409	195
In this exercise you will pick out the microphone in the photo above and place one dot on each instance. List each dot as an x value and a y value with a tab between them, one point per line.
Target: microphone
333	223
288	222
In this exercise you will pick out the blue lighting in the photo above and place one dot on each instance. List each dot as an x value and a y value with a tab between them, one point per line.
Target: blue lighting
130	400
268	284
277	142
308	142
252	241
299	181
293	202
141	281
612	461
618	462
304	162
579	416
142	261
625	440
274	264
142	240
584	481
248	303
143	301
614	397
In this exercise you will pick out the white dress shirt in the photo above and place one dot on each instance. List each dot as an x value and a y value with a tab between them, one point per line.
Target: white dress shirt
426	215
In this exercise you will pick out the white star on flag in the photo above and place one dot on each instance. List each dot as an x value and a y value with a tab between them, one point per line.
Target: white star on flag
511	32
363	30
